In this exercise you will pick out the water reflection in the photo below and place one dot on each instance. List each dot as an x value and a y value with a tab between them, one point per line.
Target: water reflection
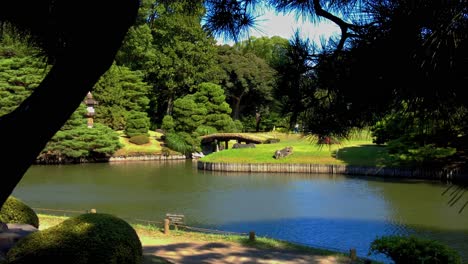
326	210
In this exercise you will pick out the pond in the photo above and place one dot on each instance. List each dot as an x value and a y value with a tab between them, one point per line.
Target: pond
330	211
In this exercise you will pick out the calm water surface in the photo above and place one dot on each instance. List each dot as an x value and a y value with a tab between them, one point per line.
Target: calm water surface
336	212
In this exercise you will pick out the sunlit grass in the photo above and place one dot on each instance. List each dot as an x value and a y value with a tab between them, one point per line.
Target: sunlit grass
358	150
152	148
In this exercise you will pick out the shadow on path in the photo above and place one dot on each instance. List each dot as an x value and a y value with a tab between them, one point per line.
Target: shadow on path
219	252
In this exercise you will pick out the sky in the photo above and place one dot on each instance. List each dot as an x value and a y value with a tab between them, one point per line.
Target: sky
271	24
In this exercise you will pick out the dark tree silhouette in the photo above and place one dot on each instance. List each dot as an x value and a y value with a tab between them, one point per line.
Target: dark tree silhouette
80	39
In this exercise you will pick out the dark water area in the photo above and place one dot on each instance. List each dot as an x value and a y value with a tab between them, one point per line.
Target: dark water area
330	211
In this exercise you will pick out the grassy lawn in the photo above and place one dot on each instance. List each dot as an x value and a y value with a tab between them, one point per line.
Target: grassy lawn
152	148
358	150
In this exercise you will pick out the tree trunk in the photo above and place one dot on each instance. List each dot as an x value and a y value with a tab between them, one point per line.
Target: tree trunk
293	120
236	111
258	119
90	49
170	105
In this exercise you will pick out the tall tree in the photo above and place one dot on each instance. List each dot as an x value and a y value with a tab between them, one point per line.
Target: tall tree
247	80
272	50
118	92
198	114
294	82
211	96
184	53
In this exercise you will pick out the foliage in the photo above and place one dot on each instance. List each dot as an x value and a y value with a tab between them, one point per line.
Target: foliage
205	130
211	96
15	211
14	43
118	92
272	50
75	141
405	151
183	142
248	80
184	54
197	114
188	115
19	75
168	124
137	51
414	250
87	238
388	128
295	81
138	123
270	120
237	126
426	40
139	140
413	140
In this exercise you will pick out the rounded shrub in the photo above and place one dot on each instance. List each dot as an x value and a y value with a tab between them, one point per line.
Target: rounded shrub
85	239
139	140
411	249
17	212
138	123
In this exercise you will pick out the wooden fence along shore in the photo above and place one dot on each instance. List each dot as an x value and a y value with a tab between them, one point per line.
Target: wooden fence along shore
414	173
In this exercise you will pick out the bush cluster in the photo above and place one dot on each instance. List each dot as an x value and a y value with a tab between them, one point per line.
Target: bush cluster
85	239
15	211
139	140
411	249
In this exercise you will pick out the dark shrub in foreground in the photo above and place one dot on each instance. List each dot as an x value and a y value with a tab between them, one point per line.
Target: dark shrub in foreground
15	211
415	250
85	239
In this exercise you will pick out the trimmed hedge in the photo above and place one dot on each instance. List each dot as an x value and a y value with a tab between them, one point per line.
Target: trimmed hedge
17	212
85	239
139	140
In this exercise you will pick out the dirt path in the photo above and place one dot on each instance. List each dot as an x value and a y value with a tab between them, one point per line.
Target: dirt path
184	250
225	252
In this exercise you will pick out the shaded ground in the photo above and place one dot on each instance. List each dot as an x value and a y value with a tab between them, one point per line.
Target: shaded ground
225	252
173	249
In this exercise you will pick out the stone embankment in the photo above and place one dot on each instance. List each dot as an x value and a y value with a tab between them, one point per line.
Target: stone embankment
412	173
147	157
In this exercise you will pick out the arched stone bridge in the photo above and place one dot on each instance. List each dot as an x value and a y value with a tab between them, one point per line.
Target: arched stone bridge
217	138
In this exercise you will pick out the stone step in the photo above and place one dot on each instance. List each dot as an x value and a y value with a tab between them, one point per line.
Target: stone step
15	232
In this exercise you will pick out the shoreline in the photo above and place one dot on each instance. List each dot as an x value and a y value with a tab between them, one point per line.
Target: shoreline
112	159
402	173
159	157
447	175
